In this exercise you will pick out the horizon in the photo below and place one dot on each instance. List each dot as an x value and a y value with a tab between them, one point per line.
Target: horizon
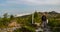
22	14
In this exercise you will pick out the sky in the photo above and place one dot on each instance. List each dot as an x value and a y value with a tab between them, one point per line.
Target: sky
28	6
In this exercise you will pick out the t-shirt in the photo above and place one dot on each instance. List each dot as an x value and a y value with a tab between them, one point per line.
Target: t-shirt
44	18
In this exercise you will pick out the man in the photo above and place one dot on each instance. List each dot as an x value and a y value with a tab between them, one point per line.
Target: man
44	20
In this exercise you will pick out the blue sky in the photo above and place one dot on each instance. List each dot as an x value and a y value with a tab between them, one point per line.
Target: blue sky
28	6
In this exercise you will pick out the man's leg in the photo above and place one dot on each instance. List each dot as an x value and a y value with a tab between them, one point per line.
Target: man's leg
45	24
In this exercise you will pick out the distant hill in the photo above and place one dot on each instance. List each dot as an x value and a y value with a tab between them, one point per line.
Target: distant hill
53	12
49	14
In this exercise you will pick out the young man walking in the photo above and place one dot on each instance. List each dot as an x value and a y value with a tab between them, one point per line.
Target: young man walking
44	22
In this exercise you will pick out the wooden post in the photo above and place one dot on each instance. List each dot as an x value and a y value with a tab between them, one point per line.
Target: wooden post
33	18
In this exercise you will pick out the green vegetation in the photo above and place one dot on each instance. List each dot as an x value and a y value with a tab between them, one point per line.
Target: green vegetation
26	21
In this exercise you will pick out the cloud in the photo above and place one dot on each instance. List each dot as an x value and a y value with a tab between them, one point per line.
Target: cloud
35	2
29	2
43	2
